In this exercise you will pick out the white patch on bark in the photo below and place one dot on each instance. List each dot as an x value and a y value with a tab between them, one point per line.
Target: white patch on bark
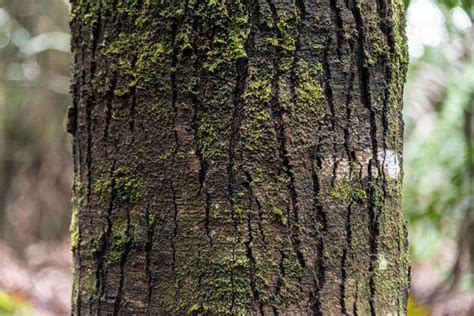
383	263
390	163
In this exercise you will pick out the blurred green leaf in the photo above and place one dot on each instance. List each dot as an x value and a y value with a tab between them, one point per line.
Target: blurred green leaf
14	305
415	309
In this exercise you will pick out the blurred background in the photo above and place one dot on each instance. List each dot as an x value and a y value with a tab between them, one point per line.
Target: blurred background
36	165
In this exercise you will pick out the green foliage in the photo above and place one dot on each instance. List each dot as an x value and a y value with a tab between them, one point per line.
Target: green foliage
416	309
466	5
34	95
438	98
14	305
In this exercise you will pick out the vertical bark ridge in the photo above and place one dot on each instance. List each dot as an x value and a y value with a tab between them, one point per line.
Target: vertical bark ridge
242	70
278	113
364	77
109	100
349	77
148	264
177	23
133	105
252	199
95	31
100	254
123	261
321	218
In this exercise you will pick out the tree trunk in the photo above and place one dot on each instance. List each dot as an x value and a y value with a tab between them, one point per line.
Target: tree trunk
238	157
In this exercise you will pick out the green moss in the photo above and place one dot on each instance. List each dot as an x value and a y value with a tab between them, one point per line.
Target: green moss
359	193
88	284
222	215
286	30
228	44
377	194
74	228
119	239
150	57
348	191
88	14
369	58
152	219
194	308
236	266
259	88
225	51
128	10
229	291
121	92
259	176
127	188
168	154
399	63
240	208
289	45
77	202
341	192
279	215
263	116
211	136
136	56
273	41
257	127
185	44
92	285
309	92
399	22
317	47
73	13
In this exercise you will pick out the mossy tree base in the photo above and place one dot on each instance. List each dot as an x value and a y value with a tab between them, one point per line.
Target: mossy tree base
238	157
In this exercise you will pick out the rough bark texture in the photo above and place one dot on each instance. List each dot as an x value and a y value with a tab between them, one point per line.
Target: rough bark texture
238	157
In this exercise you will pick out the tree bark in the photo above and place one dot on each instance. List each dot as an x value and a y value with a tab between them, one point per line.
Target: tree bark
238	157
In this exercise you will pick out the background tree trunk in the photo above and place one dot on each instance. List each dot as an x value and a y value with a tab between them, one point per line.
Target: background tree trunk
238	157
